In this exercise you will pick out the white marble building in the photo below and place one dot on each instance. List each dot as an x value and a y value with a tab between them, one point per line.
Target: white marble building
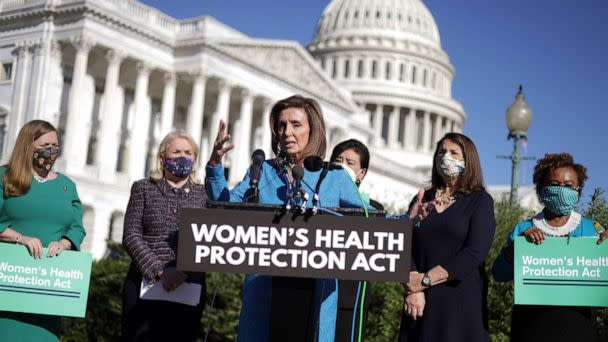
116	75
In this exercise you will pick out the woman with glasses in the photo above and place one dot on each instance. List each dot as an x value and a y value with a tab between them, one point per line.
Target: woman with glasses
559	183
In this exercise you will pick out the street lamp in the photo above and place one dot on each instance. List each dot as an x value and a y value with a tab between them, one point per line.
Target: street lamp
518	119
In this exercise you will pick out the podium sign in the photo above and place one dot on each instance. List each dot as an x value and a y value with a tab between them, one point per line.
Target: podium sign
322	246
561	272
52	286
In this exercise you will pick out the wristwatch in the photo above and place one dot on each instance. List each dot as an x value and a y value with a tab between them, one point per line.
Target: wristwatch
426	280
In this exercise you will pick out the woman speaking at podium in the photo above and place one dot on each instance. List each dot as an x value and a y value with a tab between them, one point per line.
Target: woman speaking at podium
298	131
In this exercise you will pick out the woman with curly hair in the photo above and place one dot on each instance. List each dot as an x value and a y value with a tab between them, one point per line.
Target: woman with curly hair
559	182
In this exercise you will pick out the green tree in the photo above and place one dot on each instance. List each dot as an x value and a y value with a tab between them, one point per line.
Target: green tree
220	318
597	210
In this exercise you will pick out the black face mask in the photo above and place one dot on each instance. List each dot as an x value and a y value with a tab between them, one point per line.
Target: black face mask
44	157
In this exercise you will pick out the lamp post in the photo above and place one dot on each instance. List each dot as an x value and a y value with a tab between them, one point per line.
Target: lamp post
518	119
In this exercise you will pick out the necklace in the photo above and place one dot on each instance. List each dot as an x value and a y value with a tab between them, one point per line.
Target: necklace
442	201
541	223
40	179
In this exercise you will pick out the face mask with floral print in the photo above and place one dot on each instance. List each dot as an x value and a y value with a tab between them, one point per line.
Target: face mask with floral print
448	166
44	157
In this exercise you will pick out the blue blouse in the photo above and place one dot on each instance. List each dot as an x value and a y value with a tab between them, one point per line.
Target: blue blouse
337	190
503	270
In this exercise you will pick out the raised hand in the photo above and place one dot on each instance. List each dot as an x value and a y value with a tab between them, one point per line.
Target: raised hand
219	150
420	210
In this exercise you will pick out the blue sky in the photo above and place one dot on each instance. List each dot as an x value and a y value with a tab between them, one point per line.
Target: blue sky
557	49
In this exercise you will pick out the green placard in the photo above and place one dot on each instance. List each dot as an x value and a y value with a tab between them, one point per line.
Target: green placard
561	271
51	286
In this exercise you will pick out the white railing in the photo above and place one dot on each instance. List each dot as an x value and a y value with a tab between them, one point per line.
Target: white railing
7	5
133	10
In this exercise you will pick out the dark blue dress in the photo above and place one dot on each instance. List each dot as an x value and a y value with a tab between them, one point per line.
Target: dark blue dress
459	240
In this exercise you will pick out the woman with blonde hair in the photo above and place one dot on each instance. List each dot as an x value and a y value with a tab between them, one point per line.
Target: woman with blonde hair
38	208
298	131
150	238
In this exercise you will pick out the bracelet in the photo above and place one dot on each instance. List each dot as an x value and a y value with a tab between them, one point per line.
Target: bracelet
18	238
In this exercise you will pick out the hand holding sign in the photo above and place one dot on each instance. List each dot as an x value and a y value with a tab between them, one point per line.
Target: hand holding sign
33	245
56	247
535	235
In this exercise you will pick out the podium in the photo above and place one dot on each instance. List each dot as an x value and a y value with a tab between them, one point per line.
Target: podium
292	314
216	239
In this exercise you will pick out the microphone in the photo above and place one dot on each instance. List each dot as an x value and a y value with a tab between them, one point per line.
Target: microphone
257	159
316	164
298	173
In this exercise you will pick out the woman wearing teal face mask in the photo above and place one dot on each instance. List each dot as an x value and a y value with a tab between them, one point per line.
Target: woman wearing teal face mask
559	182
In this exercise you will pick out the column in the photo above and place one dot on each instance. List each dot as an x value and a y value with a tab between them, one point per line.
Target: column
194	122
393	127
242	138
426	136
437	128
76	132
139	135
17	115
110	120
34	98
168	106
266	129
100	231
411	131
221	111
377	126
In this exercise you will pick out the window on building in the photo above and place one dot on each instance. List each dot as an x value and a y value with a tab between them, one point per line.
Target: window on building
424	74
387	71
346	69
6	71
385	123
322	60
374	69
402	72
414	74
3	122
334	68
433	80
360	69
356	14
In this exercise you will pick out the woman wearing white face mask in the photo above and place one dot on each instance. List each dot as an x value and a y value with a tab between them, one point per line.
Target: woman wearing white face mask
445	298
353	156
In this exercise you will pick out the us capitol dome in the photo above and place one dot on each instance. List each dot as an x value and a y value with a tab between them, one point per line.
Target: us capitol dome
388	54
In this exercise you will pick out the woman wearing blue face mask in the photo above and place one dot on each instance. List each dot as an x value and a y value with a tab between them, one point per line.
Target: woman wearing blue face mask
150	238
559	182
